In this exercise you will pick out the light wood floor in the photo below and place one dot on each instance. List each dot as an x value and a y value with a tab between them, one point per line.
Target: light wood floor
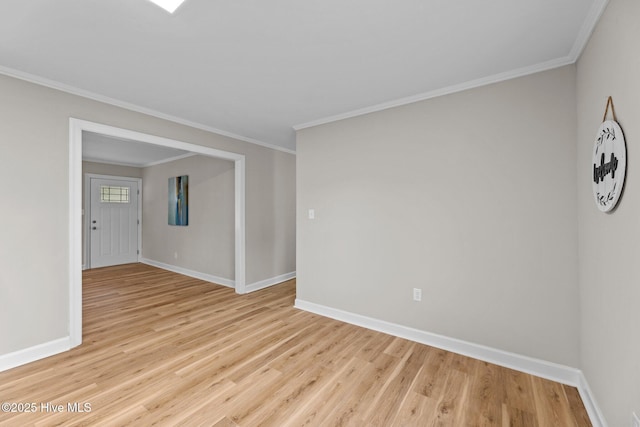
164	349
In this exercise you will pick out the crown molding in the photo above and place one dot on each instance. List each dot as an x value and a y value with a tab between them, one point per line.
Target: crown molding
31	78
588	26
135	165
484	81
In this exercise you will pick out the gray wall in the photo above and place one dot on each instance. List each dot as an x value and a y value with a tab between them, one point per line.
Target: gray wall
470	197
34	157
610	243
112	170
207	244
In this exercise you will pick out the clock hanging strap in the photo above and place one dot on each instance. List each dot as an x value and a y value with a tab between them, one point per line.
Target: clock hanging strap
613	110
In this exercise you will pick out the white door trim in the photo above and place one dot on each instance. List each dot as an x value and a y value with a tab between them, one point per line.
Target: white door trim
87	212
76	127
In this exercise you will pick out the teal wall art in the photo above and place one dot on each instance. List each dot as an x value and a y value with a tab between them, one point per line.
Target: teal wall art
179	200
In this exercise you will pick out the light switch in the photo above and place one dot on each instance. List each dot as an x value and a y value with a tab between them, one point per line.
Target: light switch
312	214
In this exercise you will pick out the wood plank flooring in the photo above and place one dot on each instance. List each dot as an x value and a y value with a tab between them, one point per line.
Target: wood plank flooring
164	349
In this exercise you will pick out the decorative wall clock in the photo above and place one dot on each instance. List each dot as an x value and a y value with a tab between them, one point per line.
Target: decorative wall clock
609	162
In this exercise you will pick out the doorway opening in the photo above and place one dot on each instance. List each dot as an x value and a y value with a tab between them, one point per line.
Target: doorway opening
76	129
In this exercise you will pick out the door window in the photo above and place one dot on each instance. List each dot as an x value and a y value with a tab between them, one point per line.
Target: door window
112	194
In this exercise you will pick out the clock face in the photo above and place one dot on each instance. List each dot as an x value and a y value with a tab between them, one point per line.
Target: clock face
609	165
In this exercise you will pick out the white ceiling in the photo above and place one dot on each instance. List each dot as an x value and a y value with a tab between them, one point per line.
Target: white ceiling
106	149
256	69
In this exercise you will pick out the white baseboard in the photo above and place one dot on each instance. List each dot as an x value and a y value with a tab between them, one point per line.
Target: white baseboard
191	273
595	414
31	354
252	287
541	368
552	371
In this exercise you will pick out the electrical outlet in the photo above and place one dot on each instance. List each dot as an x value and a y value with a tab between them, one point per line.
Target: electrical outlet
312	214
635	421
417	294
175	255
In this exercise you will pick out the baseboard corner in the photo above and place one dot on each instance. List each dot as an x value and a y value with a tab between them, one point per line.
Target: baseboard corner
256	286
191	273
36	352
541	368
595	414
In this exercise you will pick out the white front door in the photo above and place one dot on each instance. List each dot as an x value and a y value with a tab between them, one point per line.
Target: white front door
113	222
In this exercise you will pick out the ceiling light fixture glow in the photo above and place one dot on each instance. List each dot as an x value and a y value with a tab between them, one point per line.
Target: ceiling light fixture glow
169	5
